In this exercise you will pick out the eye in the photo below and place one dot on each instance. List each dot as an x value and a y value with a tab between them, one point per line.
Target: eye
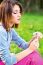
14	13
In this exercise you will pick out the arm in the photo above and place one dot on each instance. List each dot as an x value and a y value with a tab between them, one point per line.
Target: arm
8	58
18	40
32	47
5	53
23	54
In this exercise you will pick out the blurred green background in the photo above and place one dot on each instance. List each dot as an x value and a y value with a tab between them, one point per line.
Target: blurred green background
30	23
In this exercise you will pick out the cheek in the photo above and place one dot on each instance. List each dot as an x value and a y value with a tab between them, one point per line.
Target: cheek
15	18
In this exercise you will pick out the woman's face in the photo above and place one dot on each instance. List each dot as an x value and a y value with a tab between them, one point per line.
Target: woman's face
16	15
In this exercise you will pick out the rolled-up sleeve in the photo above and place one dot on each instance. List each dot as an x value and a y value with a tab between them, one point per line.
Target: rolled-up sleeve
18	40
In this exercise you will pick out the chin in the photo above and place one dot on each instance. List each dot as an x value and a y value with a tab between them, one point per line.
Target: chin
18	22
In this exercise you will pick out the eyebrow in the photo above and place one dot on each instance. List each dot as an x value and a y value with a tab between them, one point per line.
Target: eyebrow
16	11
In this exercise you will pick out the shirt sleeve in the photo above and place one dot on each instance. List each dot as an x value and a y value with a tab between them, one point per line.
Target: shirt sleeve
5	53
8	58
18	40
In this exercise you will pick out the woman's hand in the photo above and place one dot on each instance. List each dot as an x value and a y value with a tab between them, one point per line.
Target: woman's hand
34	42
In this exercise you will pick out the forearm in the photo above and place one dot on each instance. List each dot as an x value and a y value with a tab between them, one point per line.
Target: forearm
23	54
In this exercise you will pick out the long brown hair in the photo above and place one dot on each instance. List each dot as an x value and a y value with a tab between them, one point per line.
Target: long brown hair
6	12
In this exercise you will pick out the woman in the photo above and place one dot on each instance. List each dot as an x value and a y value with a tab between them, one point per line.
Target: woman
10	14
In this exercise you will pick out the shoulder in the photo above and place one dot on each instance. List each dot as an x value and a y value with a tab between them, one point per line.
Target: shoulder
1	27
13	30
2	30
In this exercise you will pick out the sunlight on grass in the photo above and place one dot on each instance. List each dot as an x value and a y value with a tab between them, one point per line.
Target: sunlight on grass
30	23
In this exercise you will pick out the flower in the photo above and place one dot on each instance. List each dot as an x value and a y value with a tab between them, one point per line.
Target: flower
38	34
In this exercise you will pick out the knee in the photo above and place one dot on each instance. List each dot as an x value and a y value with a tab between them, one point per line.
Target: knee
36	59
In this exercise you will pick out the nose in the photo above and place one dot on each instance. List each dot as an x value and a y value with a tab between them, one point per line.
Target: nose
19	14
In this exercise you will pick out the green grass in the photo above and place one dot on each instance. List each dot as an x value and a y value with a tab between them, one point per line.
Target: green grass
30	23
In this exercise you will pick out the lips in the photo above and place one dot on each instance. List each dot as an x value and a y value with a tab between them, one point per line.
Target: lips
18	19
